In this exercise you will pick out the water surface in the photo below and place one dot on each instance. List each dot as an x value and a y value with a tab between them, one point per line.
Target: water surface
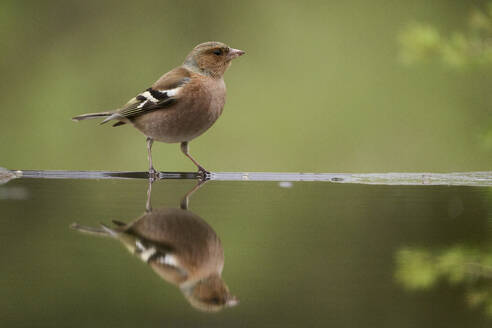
297	254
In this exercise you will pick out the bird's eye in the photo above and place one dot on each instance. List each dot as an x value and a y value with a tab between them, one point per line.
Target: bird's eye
218	52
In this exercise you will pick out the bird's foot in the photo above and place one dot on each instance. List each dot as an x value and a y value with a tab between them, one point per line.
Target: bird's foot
203	175
153	174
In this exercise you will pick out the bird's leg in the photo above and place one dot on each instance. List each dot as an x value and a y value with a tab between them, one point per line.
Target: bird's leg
152	172
148	206
185	200
205	175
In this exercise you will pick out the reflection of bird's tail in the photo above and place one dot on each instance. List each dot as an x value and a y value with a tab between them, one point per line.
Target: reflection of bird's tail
91	115
104	231
108	230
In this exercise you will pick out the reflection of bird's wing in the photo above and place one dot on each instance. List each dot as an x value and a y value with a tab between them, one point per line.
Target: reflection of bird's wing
159	254
148	250
163	94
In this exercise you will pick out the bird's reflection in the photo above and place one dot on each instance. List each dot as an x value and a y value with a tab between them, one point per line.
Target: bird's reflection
180	247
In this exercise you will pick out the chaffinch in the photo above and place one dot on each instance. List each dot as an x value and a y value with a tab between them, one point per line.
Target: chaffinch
182	104
181	248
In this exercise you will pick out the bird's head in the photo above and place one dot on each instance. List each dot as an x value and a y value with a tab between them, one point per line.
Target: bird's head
211	58
210	294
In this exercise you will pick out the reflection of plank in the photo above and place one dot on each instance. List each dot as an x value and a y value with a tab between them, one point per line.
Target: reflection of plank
403	179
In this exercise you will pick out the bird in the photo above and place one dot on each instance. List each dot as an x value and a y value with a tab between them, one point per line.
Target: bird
182	104
181	248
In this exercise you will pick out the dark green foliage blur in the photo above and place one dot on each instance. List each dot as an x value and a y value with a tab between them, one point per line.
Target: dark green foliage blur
421	269
322	87
467	49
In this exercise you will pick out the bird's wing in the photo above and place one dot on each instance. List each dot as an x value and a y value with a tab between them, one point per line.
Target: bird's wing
163	94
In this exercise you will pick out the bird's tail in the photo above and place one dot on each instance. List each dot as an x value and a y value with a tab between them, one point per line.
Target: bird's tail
91	115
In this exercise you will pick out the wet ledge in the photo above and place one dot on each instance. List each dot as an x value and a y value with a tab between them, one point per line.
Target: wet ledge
479	179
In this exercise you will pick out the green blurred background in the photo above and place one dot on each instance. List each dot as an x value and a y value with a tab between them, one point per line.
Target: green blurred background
325	85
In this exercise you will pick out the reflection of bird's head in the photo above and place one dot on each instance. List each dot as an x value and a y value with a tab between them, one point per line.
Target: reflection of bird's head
210	294
211	58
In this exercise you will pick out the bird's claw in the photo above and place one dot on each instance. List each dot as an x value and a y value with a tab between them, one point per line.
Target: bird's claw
203	175
153	174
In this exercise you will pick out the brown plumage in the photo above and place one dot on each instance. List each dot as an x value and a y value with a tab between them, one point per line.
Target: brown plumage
182	104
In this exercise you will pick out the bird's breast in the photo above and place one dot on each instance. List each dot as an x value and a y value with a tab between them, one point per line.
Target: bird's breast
187	244
198	105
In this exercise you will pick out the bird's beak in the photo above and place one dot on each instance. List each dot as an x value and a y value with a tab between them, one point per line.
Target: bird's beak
234	53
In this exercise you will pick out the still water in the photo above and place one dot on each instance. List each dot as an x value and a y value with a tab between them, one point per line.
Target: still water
243	254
